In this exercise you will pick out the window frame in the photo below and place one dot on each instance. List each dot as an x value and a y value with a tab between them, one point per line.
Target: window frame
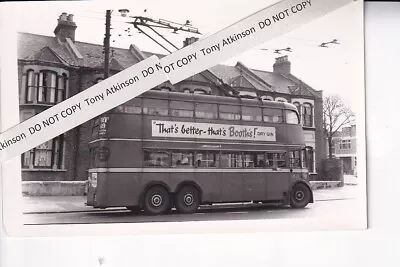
308	118
46	88
56	155
30	89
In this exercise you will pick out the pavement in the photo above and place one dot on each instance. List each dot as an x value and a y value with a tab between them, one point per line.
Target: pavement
69	204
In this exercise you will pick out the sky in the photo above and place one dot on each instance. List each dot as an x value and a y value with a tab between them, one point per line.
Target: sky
337	70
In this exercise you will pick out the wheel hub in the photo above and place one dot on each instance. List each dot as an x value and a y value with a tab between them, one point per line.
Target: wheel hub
156	200
299	195
188	199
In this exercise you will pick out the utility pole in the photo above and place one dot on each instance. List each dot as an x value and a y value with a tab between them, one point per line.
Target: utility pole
107	45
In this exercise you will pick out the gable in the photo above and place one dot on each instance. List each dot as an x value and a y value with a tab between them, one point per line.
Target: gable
47	55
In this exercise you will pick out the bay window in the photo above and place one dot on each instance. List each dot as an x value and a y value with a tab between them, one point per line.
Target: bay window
48	155
45	87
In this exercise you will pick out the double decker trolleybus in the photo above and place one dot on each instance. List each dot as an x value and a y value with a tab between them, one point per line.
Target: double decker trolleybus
165	149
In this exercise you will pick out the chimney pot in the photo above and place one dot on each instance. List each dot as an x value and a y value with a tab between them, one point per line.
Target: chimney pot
70	18
282	65
189	41
63	16
65	27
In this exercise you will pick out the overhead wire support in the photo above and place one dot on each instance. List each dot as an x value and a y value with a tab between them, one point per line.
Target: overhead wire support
140	21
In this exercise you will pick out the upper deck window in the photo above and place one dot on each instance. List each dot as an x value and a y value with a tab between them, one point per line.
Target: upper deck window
251	114
272	115
155	107
206	111
131	107
292	117
228	112
182	109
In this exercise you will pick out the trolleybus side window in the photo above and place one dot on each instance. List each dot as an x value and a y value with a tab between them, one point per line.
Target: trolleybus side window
228	112
206	111
155	107
231	160
295	159
251	114
156	159
182	159
182	109
273	115
275	160
133	106
207	159
292	117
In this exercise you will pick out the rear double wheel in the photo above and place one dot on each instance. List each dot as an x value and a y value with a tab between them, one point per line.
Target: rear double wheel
300	196
187	200
156	200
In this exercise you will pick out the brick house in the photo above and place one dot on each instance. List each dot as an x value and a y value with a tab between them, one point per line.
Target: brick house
53	68
345	148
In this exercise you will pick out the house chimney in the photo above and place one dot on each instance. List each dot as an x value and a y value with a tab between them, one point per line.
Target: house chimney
189	41
65	27
282	65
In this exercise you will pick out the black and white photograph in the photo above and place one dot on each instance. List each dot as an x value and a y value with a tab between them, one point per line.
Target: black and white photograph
272	139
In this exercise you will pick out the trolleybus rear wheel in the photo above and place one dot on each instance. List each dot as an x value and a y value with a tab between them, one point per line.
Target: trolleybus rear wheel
300	196
156	200
187	200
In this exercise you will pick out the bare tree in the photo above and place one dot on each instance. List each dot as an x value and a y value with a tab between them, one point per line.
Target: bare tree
336	115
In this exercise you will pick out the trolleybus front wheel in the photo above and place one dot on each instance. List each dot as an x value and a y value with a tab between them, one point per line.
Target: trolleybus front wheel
187	200
300	196
156	200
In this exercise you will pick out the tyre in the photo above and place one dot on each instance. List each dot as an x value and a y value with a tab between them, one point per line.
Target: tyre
300	196
156	200
187	200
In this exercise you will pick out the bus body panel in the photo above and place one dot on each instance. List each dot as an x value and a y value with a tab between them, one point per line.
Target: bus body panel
254	186
277	184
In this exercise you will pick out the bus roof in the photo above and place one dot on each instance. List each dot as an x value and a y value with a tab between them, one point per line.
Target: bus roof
229	100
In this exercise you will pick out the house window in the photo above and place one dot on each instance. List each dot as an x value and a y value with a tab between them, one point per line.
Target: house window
61	90
186	90
165	89
310	159
30	86
267	98
45	156
280	99
47	87
345	144
307	115
199	92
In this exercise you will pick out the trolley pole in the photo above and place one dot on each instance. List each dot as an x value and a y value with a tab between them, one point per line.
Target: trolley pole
107	45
